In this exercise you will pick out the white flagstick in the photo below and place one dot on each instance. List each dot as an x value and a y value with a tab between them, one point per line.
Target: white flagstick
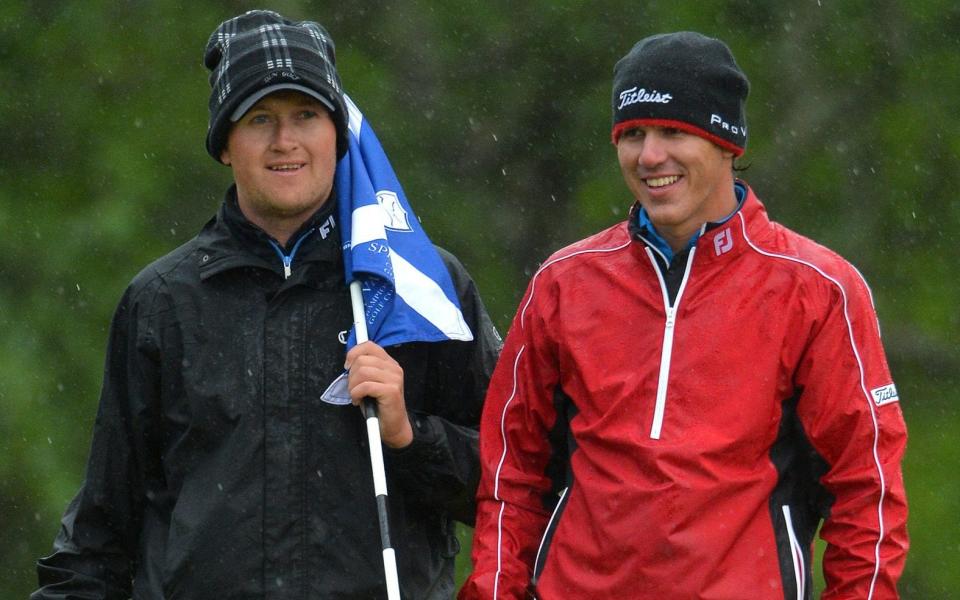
376	455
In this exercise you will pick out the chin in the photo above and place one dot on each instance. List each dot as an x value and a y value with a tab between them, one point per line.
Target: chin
294	203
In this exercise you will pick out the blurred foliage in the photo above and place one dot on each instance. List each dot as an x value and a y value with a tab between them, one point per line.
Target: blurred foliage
496	116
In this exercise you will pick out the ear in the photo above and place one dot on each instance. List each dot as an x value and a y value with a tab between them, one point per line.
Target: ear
225	157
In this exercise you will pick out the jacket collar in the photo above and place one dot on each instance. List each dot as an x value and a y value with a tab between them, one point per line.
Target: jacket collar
737	234
230	241
716	240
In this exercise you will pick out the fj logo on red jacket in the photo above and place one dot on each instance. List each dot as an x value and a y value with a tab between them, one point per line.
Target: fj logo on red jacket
723	242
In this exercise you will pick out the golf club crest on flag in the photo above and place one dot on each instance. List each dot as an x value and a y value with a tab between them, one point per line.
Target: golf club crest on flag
408	295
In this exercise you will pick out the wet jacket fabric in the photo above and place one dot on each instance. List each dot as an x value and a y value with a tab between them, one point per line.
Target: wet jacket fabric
215	469
644	443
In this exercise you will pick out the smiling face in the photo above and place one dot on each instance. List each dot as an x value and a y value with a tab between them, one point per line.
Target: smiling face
681	179
283	156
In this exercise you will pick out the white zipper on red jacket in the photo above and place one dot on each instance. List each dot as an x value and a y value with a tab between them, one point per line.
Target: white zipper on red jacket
668	328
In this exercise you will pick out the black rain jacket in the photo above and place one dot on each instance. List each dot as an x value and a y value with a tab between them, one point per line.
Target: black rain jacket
216	471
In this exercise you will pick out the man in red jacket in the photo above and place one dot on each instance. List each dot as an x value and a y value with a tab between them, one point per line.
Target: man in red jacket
684	398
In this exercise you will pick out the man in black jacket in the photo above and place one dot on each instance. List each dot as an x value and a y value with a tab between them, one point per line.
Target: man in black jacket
215	470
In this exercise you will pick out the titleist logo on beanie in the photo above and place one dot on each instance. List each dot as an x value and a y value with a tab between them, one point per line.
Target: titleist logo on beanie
683	80
633	95
260	52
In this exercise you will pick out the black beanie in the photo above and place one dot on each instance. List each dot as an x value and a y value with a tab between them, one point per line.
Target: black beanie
260	52
683	80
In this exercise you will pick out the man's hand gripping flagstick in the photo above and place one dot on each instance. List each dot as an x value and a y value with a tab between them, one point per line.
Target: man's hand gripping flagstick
369	406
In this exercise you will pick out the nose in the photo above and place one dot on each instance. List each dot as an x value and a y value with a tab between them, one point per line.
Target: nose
284	136
653	152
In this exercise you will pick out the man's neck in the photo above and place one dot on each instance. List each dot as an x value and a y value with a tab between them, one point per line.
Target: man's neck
679	239
280	228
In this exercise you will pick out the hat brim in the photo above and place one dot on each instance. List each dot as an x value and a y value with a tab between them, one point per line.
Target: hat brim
255	97
690	128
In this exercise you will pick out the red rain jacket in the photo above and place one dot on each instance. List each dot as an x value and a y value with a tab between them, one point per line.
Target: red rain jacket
634	449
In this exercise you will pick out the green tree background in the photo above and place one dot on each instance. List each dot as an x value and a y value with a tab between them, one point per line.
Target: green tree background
496	116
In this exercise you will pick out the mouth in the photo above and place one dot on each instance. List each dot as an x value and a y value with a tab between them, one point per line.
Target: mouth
286	167
661	182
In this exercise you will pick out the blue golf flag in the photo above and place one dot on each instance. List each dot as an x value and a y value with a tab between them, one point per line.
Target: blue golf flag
407	291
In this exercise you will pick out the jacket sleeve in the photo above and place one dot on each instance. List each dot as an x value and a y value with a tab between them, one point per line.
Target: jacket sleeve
441	465
850	410
95	550
514	453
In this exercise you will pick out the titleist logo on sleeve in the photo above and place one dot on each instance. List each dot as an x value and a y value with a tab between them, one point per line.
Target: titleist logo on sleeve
636	96
885	395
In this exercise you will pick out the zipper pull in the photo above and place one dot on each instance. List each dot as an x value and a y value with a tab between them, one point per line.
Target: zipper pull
671	317
287	270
